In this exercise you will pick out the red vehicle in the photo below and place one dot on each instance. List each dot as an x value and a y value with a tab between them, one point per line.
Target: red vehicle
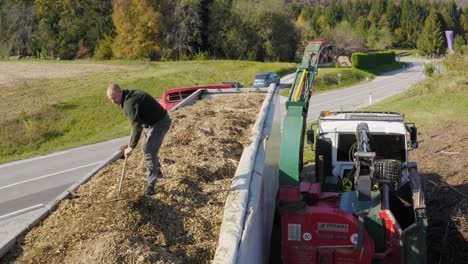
174	96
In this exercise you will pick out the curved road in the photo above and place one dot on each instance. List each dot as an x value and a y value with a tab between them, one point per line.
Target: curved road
27	185
358	96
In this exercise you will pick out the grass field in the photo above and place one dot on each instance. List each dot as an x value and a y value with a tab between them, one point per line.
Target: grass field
51	106
327	78
443	97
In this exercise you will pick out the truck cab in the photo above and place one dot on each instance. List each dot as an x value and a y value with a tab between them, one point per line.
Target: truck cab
336	143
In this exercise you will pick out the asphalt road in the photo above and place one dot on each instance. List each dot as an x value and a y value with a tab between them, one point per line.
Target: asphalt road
27	185
365	94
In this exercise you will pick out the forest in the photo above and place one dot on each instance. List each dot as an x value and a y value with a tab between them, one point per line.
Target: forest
260	30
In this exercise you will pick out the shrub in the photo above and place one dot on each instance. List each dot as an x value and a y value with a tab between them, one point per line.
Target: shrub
202	55
458	44
429	69
369	60
104	50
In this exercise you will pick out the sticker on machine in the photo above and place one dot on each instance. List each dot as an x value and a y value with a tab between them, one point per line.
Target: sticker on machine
332	227
294	232
353	238
307	236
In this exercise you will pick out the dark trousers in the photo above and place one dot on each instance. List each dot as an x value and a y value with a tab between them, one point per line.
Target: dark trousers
153	138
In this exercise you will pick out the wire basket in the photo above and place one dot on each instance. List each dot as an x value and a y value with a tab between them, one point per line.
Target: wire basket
388	171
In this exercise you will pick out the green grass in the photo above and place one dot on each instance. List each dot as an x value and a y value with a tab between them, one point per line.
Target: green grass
444	97
49	115
309	151
327	78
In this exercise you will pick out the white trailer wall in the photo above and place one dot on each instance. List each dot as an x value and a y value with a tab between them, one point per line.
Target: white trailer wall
250	207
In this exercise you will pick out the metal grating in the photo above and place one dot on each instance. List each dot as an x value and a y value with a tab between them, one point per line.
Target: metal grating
388	171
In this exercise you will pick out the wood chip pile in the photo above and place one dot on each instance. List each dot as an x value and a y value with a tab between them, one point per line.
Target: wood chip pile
180	223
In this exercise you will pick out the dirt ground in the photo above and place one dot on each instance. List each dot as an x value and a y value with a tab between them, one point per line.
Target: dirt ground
443	165
18	71
180	223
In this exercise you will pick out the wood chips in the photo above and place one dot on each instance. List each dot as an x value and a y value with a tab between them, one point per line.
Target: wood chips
180	223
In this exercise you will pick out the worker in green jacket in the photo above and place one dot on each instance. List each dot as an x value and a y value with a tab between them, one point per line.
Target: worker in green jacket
143	112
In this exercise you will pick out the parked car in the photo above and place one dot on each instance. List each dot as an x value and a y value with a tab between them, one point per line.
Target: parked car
264	79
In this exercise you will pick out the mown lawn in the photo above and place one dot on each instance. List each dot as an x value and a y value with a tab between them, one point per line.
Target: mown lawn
48	115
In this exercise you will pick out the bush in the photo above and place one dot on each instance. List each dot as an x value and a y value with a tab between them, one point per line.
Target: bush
458	44
429	69
104	50
202	55
369	60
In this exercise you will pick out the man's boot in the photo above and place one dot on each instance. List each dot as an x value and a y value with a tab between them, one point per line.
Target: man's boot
149	190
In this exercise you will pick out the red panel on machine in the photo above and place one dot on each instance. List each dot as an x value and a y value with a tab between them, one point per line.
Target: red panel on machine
323	235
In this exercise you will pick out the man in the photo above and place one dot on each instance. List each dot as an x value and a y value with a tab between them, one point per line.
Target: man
143	111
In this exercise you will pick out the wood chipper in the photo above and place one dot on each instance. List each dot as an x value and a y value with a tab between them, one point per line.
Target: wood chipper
366	204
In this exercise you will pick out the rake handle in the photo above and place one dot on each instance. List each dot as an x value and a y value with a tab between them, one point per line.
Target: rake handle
123	175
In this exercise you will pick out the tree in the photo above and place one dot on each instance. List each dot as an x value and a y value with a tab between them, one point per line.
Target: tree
386	39
303	25
219	22
184	30
464	24
346	39
349	11
137	27
451	17
376	11
261	31
17	27
412	19
68	28
458	44
393	14
333	13
372	37
431	40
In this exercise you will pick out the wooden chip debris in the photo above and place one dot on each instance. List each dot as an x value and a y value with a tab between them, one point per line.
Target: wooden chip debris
180	223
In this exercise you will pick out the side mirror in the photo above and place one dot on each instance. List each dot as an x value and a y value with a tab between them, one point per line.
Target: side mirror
310	136
414	137
413	130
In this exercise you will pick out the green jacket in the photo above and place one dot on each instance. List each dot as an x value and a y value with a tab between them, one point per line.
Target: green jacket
142	111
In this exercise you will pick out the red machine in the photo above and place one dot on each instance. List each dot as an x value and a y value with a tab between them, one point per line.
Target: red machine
365	203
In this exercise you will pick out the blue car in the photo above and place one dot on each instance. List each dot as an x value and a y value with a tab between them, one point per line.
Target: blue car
264	79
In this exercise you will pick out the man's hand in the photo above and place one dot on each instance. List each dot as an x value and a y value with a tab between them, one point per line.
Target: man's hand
128	151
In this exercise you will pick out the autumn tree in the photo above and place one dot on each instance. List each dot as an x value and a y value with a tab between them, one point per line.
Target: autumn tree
137	27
